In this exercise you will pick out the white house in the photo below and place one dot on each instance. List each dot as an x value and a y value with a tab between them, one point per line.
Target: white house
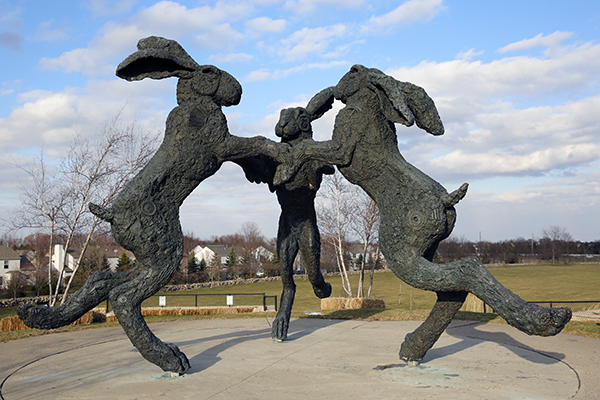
262	253
10	262
58	259
208	252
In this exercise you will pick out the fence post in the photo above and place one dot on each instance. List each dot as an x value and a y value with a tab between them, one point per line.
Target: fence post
264	302
196	301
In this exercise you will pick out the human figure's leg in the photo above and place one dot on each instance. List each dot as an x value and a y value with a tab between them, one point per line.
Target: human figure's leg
310	249
287	249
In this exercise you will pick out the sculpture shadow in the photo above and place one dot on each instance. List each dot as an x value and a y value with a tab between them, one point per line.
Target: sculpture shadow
354	314
211	355
470	331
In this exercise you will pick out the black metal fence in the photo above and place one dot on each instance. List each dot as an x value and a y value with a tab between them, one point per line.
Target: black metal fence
229	299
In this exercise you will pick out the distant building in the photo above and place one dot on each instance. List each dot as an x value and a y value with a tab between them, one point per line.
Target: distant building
61	257
262	253
207	253
10	262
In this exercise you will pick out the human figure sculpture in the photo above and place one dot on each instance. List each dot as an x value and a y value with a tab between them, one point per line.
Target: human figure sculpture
298	230
145	215
416	211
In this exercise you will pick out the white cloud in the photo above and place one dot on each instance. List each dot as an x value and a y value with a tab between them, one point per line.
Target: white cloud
47	33
496	122
230	58
468	55
262	25
307	6
551	41
570	202
109	7
208	27
259	75
47	118
406	13
309	40
265	73
495	162
10	18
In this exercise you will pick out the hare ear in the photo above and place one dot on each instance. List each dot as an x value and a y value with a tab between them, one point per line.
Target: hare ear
157	58
391	97
423	108
320	103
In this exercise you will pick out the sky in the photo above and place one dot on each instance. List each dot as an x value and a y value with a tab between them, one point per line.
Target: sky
516	84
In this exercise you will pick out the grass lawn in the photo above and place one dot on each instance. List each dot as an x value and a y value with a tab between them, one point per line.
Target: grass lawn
532	282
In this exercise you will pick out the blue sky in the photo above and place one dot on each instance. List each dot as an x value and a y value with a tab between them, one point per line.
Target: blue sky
516	84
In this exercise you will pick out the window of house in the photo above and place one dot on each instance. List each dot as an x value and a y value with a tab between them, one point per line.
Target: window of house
5	264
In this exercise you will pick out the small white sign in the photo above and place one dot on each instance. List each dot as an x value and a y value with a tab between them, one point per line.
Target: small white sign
162	301
229	300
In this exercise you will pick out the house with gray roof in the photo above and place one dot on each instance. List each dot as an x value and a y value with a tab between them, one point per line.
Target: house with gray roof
10	262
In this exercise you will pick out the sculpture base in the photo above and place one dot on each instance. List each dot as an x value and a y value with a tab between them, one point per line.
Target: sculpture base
236	359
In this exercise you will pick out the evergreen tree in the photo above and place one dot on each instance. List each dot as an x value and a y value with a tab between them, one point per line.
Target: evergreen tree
124	263
232	258
201	266
192	263
215	267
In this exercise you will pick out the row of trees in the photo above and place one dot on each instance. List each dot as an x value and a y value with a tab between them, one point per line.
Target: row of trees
555	245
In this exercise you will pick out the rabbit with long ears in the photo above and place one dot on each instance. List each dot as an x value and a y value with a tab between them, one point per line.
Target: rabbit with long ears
416	211
145	215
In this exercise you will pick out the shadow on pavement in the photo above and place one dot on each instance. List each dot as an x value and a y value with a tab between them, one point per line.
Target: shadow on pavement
470	331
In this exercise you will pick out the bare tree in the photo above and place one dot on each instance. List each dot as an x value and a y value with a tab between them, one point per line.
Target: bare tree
16	283
36	245
556	236
97	169
334	213
365	224
43	195
252	235
93	170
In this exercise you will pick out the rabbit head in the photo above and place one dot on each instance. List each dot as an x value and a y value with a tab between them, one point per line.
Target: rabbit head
295	123
401	102
159	58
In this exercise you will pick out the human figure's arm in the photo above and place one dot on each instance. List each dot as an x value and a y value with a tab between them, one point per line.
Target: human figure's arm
337	151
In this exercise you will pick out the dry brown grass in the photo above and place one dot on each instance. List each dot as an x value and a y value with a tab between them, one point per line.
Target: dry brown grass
162	311
347	303
474	304
10	324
